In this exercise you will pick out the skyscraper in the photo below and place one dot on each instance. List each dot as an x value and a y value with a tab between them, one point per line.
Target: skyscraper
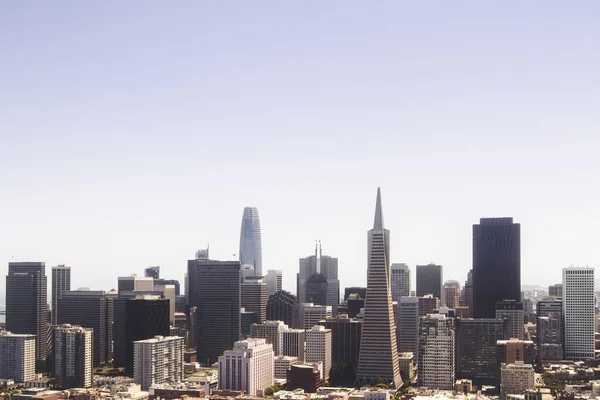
254	297
345	339
466	296
436	352
215	291
400	281
513	311
555	290
27	305
451	294
72	348
578	306
274	280
550	329
158	360
318	347
430	278
250	241
61	281
407	328
496	264
378	357
309	269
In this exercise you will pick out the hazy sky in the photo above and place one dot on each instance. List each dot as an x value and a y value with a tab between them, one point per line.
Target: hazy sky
133	133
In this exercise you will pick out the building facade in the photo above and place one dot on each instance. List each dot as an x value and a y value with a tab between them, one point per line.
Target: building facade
327	267
272	332
555	290
274	280
430	278
158	360
254	297
250	240
61	282
408	325
496	264
72	356
17	356
294	343
578	309
513	311
400	281
451	294
249	366
345	339
318	347
311	314
437	362
378	357
284	306
516	378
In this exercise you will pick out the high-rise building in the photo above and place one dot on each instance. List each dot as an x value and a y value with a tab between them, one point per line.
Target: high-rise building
215	291
294	343
90	309
152	272
250	240
408	325
555	290
72	354
345	339
428	304
430	278
325	266
311	314
466	296
17	356
360	291
284	306
318	347
513	311
496	264
436	363
164	282
476	340
274	281
272	332
550	330
400	281
282	365
516	378
378	357
451	294
137	318
254	297
158	360
27	305
578	308
61	282
248	366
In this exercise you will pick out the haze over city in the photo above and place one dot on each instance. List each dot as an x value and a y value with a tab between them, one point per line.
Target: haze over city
133	134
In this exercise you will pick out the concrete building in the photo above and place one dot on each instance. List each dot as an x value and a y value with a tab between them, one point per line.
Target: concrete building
428	304
516	378
496	264
249	366
294	343
318	347
272	332
311	314
90	309
578	309
555	290
61	282
158	360
408	366
72	348
282	366
400	281
436	363
135	283
327	267
27	305
17	356
250	240
451	294
274	281
429	280
254	297
378	357
408	325
307	377
513	311
284	306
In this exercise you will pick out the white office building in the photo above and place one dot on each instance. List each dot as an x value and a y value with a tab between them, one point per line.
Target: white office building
294	343
272	331
318	347
400	281
578	310
72	346
437	358
282	365
158	360
249	366
274	281
311	314
17	356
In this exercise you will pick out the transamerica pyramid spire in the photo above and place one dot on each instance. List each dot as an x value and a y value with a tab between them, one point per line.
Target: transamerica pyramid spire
378	357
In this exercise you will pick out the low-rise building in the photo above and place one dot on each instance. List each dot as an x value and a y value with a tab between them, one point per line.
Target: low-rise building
516	378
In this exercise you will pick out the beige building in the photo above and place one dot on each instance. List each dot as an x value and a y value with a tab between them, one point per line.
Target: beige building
516	378
249	366
282	365
311	314
272	331
17	356
318	347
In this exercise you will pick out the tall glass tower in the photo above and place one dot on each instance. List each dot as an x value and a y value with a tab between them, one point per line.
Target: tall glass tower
250	242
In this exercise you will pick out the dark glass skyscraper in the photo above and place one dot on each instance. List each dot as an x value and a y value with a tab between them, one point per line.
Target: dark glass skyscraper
283	306
215	291
430	280
496	264
27	305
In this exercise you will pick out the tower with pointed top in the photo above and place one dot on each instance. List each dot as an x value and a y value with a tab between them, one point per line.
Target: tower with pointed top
378	357
250	240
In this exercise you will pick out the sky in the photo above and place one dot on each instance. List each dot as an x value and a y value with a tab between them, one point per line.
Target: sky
134	133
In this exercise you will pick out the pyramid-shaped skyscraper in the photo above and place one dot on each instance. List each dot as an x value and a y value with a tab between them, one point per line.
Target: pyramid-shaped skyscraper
378	358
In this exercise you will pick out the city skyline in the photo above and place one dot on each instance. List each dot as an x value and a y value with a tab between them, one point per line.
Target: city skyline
114	132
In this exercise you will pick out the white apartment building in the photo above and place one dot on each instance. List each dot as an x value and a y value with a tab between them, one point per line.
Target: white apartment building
516	378
73	355
272	331
436	362
249	366
318	347
294	343
311	314
158	360
17	356
578	310
400	281
282	365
